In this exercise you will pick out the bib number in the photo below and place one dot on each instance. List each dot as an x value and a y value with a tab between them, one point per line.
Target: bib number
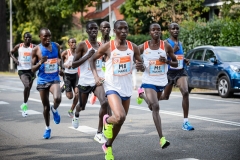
180	59
121	65
51	66
25	58
156	68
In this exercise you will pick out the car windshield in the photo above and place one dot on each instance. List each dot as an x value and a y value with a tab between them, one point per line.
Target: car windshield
229	54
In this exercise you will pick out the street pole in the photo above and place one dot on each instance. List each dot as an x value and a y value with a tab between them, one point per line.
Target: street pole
10	43
110	18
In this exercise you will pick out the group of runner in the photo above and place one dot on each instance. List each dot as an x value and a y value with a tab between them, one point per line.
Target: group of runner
162	64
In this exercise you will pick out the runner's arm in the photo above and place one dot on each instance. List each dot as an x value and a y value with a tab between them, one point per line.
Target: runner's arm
35	65
169	51
139	62
78	58
11	53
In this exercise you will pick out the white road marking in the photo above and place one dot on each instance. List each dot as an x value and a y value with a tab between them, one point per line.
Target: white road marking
164	112
86	129
216	100
2	102
187	159
31	112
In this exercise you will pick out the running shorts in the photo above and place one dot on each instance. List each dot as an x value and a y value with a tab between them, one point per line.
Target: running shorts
174	75
70	81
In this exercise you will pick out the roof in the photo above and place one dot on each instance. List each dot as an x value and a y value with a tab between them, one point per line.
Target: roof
212	3
104	13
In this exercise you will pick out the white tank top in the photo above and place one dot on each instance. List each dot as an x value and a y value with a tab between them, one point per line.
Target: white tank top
69	61
24	57
156	71
118	75
86	77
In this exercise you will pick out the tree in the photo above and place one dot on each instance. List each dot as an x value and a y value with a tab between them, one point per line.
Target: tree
4	58
163	11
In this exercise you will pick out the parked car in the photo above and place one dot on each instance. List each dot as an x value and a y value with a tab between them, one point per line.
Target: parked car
214	67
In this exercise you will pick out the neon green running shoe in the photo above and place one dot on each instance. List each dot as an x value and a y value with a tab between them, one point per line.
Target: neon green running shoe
108	152
164	143
24	109
139	99
107	128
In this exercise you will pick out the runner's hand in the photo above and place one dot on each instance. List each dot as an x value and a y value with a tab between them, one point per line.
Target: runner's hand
140	66
16	61
60	72
44	59
176	47
99	81
162	59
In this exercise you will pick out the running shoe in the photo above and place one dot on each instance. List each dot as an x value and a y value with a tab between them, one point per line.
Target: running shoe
75	122
187	126
47	134
107	128
139	99
108	152
93	99
24	109
99	137
70	113
164	143
56	116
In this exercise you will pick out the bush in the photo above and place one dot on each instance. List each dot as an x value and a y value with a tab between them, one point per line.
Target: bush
138	39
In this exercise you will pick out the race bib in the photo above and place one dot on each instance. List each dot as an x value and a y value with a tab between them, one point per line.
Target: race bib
156	68
51	66
25	58
121	65
98	64
180	59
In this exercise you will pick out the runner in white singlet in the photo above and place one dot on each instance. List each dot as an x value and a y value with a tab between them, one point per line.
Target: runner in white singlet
24	67
119	55
86	82
154	79
70	75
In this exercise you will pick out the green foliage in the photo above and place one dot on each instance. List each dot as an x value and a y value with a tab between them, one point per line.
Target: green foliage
138	39
219	32
77	34
162	12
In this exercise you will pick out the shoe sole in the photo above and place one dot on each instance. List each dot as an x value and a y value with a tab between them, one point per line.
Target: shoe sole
46	138
187	129
166	145
96	139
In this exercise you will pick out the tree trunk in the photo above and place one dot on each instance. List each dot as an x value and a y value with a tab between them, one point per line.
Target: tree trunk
4	56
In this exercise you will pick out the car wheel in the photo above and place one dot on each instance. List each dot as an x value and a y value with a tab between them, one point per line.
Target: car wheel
224	87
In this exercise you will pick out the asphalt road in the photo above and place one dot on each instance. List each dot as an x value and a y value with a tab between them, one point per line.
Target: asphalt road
216	136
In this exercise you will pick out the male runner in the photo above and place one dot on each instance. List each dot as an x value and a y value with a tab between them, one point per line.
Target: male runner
154	78
46	59
24	67
70	75
119	55
178	76
86	83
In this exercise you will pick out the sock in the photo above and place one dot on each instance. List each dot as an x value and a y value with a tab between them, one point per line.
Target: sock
54	110
47	127
107	121
98	132
107	145
185	120
25	103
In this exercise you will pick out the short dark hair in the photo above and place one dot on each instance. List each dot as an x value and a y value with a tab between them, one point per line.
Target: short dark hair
70	39
26	33
172	24
153	24
44	28
115	23
88	24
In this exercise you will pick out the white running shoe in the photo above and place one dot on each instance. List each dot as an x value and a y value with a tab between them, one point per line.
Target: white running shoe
24	113
75	122
100	138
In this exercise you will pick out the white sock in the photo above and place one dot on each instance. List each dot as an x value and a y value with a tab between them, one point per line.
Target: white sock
185	120
54	110
47	127
24	103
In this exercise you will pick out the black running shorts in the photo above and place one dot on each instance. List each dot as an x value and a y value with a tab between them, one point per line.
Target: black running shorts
174	75
26	76
70	81
46	86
